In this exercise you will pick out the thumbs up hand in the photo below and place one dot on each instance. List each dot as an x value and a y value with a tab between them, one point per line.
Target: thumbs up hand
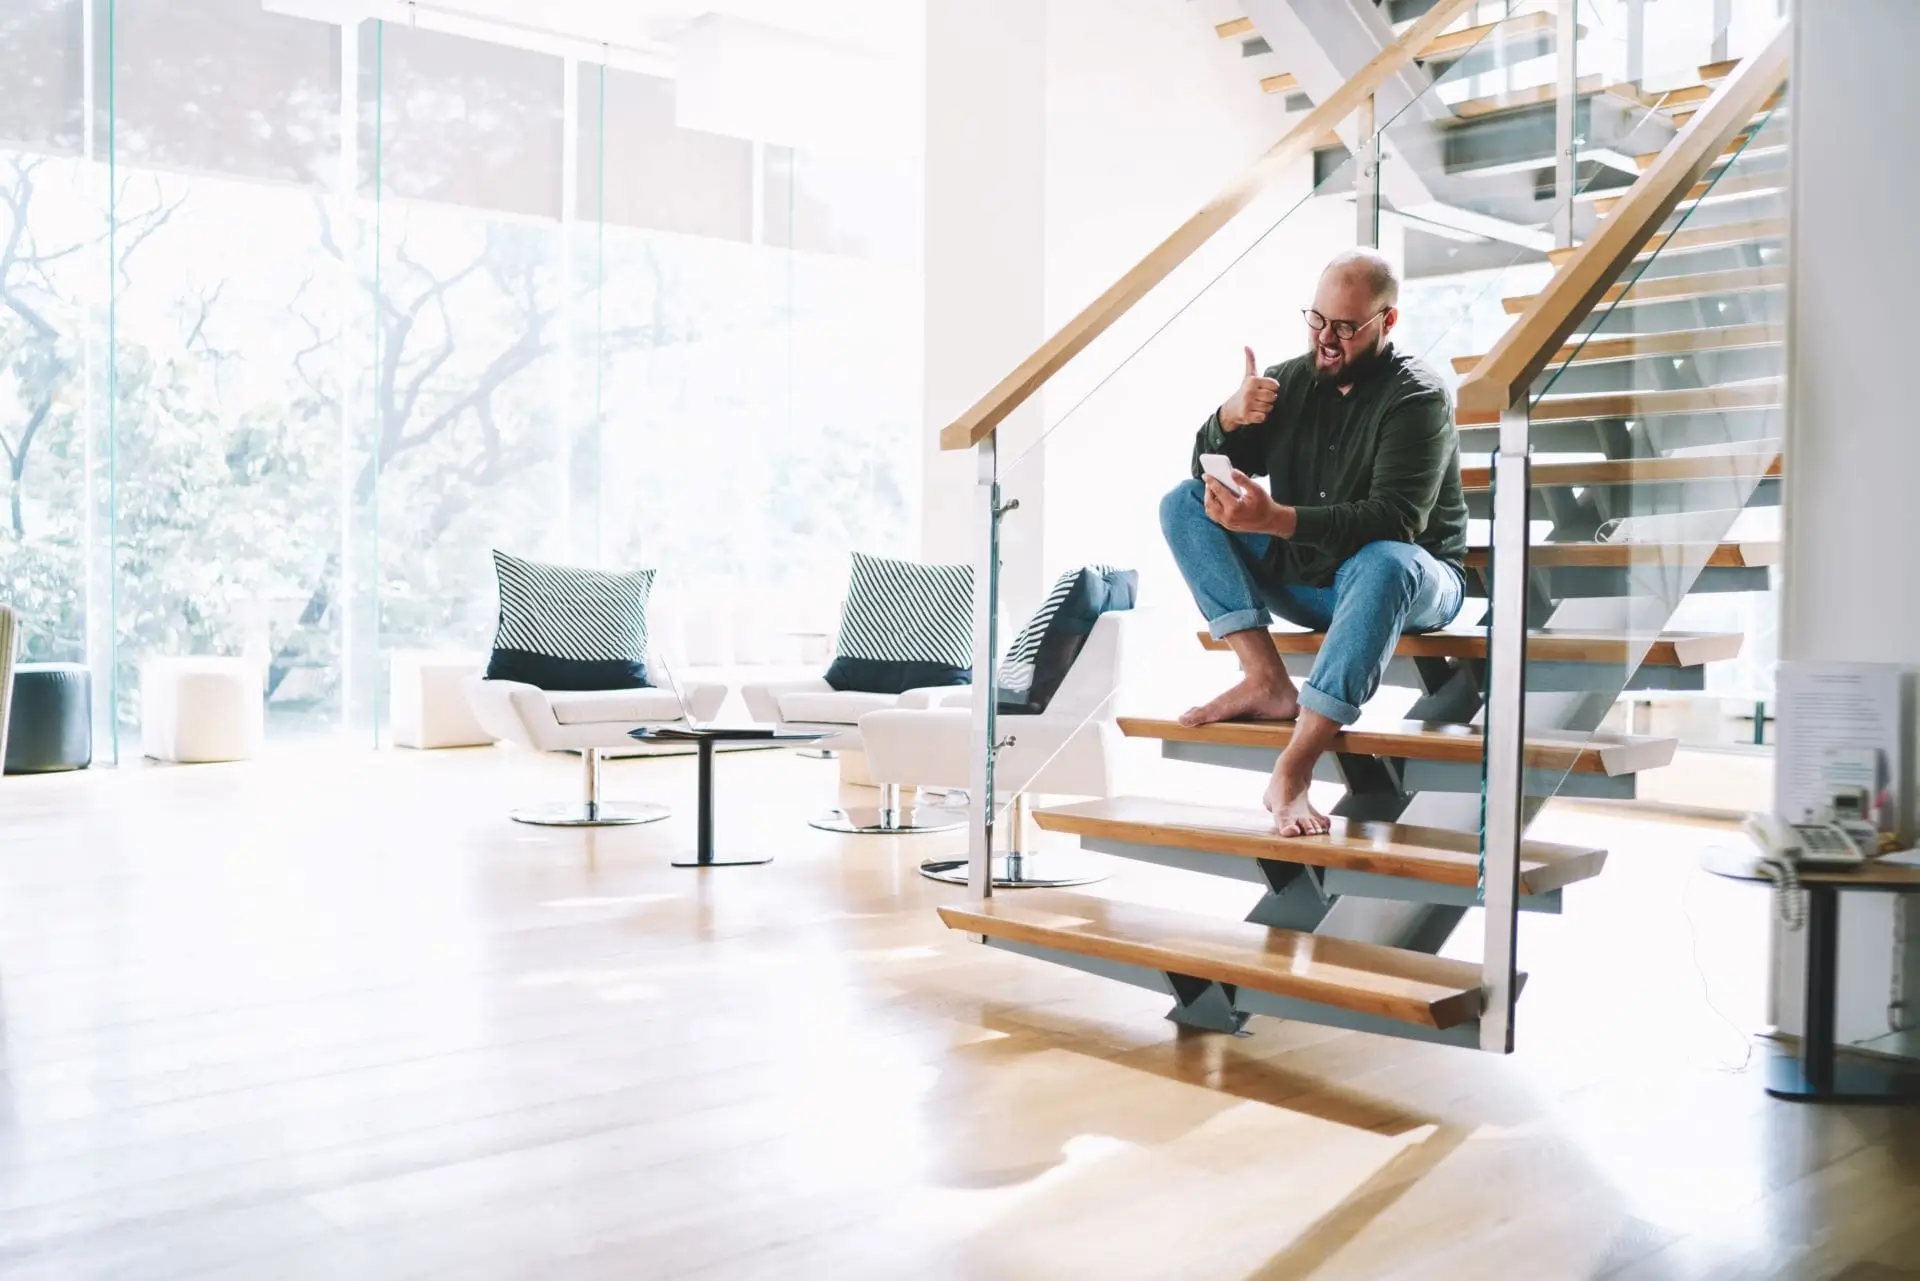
1253	401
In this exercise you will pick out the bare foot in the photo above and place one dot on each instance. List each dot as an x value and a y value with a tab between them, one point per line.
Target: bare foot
1293	814
1247	701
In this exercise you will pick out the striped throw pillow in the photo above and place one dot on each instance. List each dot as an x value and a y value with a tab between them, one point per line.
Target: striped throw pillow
1047	646
574	629
905	626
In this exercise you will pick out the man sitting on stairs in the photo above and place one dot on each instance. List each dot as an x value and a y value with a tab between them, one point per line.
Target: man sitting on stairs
1362	536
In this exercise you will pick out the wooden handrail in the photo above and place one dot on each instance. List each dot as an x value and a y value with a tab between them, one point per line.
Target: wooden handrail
991	409
1507	372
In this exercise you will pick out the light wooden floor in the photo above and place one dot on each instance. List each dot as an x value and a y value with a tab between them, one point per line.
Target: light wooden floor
331	1015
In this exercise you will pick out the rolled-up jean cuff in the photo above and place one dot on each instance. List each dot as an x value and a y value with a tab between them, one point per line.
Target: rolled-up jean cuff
1316	700
1241	620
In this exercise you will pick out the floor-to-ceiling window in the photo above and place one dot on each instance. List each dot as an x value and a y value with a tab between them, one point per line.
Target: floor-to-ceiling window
299	319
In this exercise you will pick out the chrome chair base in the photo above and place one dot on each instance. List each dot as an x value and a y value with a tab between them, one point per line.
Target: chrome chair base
890	817
866	820
592	811
1022	871
589	814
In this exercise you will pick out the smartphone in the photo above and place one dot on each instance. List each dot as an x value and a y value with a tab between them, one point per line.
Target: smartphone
1217	466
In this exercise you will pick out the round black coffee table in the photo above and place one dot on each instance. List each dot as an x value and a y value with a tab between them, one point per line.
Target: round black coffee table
705	738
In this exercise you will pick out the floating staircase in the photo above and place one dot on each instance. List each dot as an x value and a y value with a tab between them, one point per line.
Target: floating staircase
1654	426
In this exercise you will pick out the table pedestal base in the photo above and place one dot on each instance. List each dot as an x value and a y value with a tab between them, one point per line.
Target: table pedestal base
1851	1081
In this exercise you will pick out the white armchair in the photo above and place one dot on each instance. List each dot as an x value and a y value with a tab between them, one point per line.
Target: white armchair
1073	748
589	722
813	704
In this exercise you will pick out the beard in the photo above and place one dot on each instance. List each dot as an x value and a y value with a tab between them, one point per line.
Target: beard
1352	369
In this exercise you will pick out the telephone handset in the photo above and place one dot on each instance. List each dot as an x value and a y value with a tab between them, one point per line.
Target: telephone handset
1814	844
1787	846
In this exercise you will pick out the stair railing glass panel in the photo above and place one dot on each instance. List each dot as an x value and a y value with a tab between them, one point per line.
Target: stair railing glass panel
1648	480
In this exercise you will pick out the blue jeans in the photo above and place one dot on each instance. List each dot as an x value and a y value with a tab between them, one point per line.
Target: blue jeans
1380	591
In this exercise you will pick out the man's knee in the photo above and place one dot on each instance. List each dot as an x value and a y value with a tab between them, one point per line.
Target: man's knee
1384	568
1182	504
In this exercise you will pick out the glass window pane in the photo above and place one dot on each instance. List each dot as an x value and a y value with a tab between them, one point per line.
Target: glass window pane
466	443
40	64
656	174
221	86
462	121
52	285
51	238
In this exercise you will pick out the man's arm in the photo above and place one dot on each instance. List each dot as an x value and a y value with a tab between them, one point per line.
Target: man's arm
1407	466
1241	427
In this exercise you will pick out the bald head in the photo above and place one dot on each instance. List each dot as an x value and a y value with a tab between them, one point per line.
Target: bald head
1369	270
1353	312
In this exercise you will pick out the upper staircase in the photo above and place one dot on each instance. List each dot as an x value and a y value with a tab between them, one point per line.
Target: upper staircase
1641	363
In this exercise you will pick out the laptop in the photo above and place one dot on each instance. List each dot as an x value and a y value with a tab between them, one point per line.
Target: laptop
695	728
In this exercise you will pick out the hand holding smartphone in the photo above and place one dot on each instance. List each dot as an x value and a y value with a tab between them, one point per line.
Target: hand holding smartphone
1217	466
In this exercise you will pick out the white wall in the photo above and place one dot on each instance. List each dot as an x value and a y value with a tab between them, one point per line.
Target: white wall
1149	113
1853	446
985	232
1142	114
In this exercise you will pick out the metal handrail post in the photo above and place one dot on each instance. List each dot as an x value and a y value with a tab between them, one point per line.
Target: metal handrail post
1366	177
1504	785
1566	105
984	742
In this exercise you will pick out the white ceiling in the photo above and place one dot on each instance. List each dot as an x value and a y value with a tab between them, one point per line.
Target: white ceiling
881	26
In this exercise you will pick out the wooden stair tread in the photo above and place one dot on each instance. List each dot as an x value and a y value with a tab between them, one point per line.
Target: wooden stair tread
1716	236
1745	184
1715	71
1772	135
1285	82
1683	96
1526	26
1447	45
1411	987
1602	348
1704	284
1541	95
1550	645
1760	394
1680	118
1625	555
1433	854
1610	754
1639	471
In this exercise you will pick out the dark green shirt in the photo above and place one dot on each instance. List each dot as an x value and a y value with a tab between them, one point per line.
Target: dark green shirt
1379	463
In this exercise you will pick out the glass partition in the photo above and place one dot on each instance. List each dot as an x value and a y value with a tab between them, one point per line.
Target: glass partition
53	329
1656	435
300	318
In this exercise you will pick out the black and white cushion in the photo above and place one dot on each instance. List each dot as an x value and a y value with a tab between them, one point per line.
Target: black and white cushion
570	629
1045	648
906	626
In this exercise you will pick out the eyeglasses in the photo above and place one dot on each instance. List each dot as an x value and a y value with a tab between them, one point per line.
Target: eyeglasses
1344	330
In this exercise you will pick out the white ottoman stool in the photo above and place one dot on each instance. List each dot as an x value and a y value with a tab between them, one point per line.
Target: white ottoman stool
202	709
427	702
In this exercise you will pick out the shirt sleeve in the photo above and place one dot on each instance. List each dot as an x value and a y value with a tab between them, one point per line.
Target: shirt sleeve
1404	486
1247	448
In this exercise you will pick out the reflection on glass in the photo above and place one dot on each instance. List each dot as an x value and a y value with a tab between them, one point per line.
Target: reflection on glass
537	314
